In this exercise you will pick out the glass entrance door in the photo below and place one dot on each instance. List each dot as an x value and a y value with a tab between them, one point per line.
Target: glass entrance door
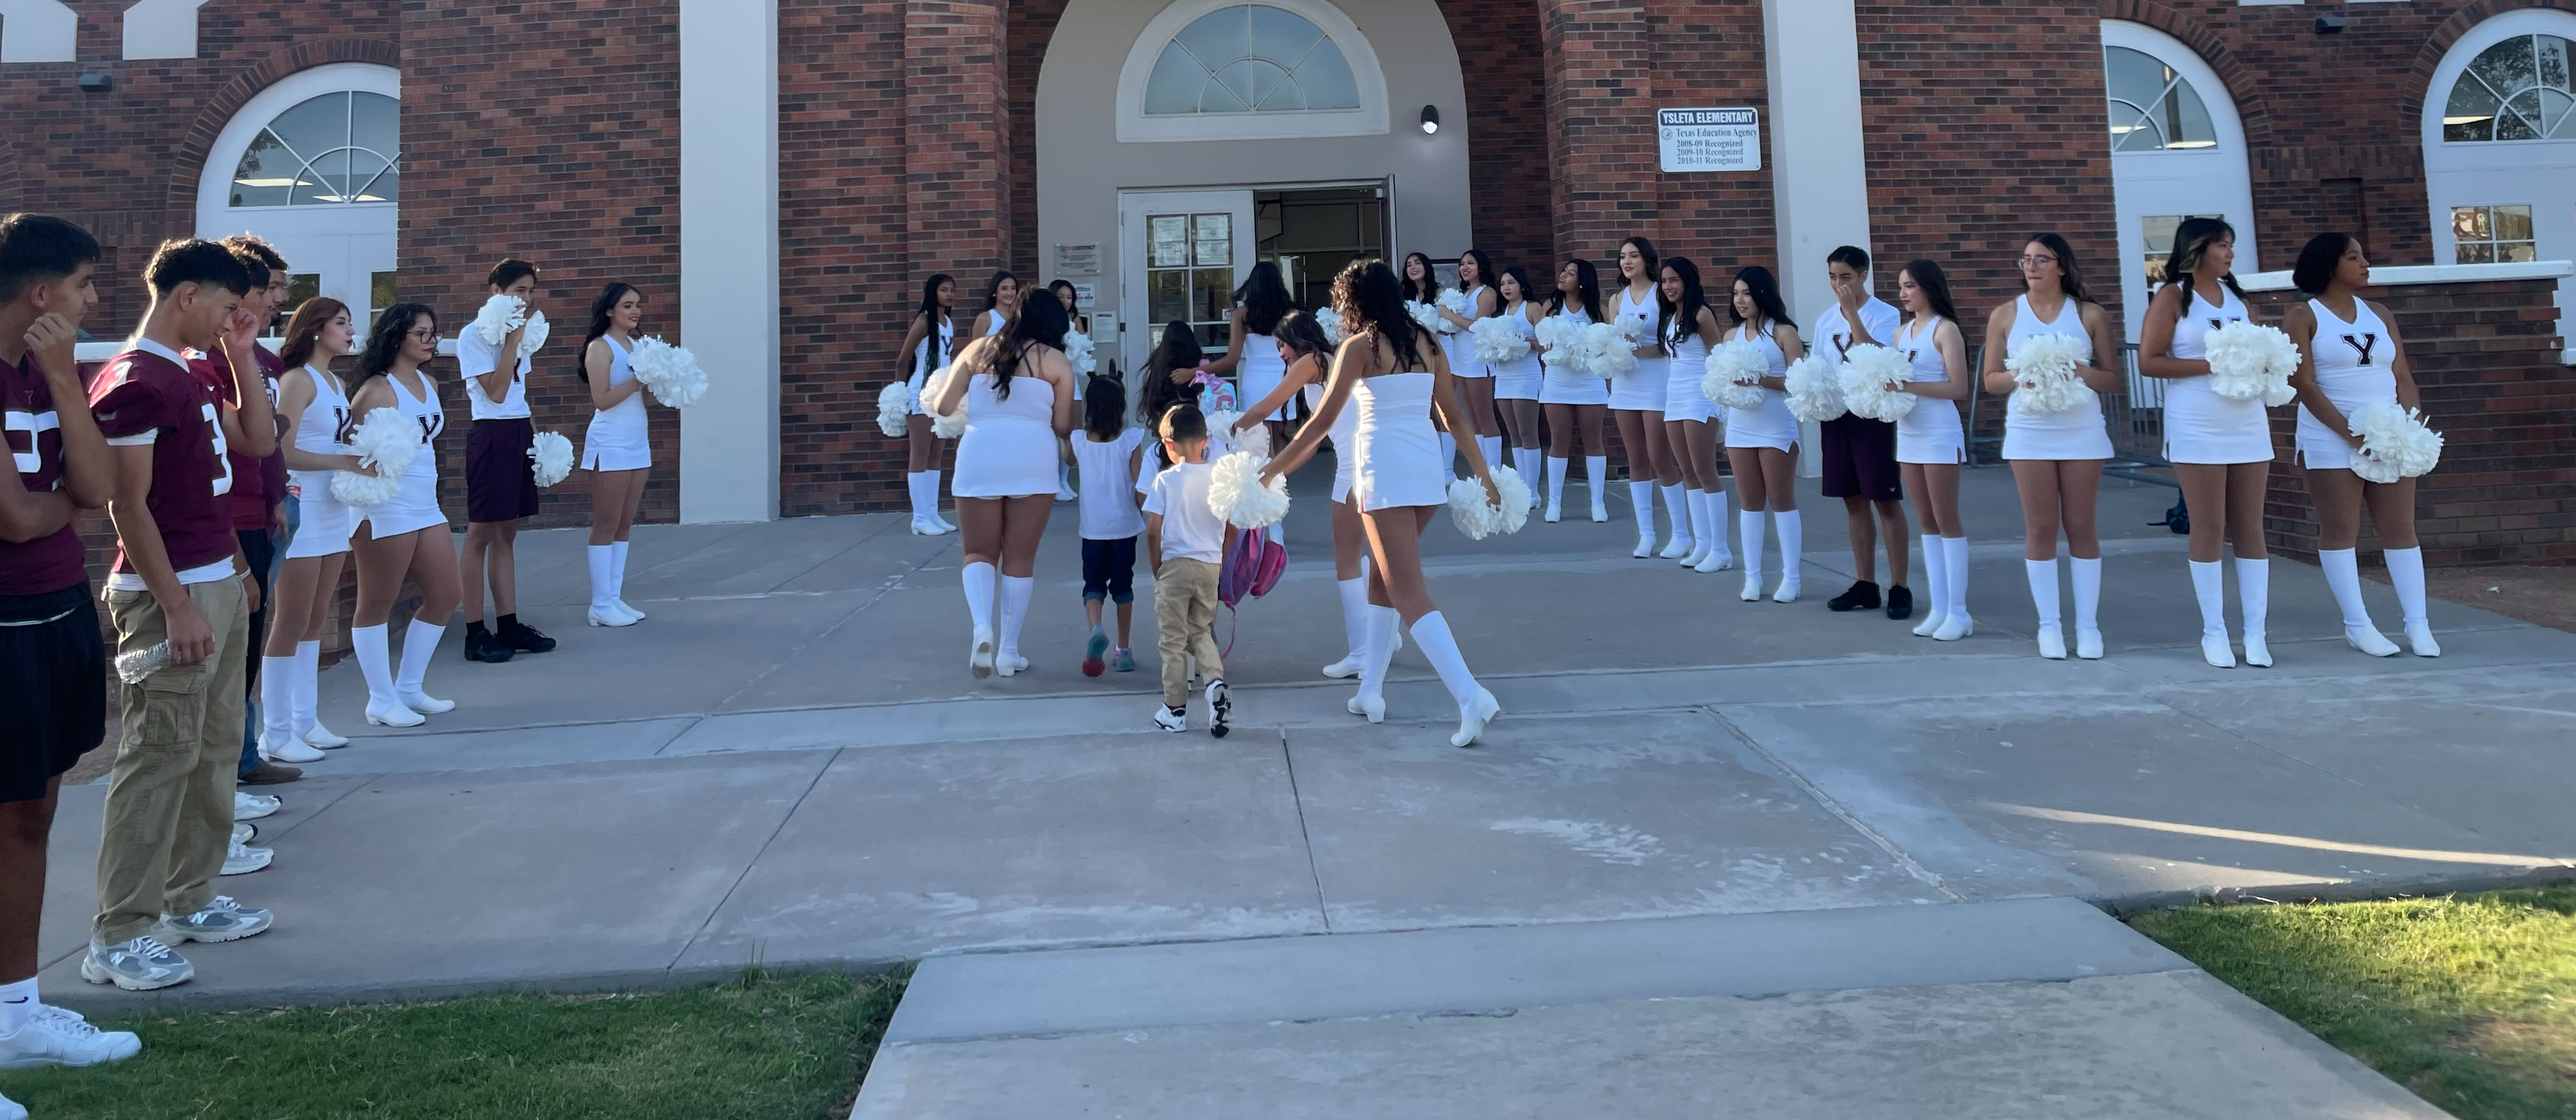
1184	254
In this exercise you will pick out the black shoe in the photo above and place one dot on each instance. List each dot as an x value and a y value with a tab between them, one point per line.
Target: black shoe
270	774
480	645
522	637
1863	595
1900	602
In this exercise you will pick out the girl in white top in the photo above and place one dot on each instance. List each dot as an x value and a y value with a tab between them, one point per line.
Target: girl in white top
314	408
2057	458
1302	347
1251	355
1575	401
927	342
1396	378
1018	394
1637	404
1762	442
1107	451
1420	283
1475	379
406	536
1516	383
616	448
2351	357
2221	449
1690	328
1931	443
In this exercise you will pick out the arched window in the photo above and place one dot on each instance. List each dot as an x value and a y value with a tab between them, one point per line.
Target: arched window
2153	107
339	148
2499	135
2517	89
1228	70
313	164
2177	151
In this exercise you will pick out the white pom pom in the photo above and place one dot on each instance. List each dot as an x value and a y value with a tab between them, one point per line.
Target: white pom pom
1872	375
1815	388
1235	492
1077	353
1498	341
534	338
1735	372
2252	362
1562	338
2043	368
1608	351
949	427
1454	302
894	409
497	318
1220	426
2395	443
1331	321
1479	518
670	372
553	456
387	440
1425	315
933	388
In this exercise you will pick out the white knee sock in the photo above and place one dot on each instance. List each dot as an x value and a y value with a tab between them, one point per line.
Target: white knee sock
308	685
420	641
1440	647
1354	613
2406	574
603	585
277	697
1750	523
2343	574
1936	577
1382	623
1015	610
1793	542
1954	551
979	594
2043	588
1596	470
1492	446
2254	596
617	572
2207	586
1677	502
2088	591
368	643
1556	469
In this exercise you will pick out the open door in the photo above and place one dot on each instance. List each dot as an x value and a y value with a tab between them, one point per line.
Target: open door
1182	255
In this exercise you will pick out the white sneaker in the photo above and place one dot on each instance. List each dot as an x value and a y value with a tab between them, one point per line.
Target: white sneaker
1064	493
2420	636
394	715
288	749
426	704
1171	719
221	920
249	806
322	737
242	859
55	1037
244	833
11	1110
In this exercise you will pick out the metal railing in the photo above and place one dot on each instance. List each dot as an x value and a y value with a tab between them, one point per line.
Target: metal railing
2134	416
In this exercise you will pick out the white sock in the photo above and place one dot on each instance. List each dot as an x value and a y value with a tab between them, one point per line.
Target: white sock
1677	503
277	696
603	586
1492	446
2043	588
1936	577
2088	591
17	1005
1793	542
2343	574
1015	610
1381	650
2208	586
1440	647
2406	574
2254	594
420	640
1717	522
1556	469
308	685
1750	523
1355	613
617	572
1954	552
367	643
979	594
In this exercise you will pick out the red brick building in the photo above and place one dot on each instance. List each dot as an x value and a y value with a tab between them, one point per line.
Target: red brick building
778	175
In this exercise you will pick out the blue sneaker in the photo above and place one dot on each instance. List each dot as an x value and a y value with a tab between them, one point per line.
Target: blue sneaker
1091	651
1126	661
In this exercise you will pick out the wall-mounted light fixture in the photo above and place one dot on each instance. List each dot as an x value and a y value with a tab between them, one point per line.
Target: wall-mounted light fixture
1430	119
2329	25
96	83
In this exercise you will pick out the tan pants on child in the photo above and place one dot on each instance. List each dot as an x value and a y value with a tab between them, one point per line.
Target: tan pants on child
1185	620
170	796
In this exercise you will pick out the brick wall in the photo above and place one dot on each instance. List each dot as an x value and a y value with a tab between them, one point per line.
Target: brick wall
2485	361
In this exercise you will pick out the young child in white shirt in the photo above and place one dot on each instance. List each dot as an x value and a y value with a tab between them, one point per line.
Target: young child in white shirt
1106	453
1188	543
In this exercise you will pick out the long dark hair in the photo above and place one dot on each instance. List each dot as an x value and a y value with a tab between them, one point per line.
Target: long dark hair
1370	297
1587	284
304	329
993	289
1179	350
1042	322
1430	289
2070	277
385	341
1301	333
1264	297
1765	291
2319	261
1936	287
1104	407
1520	276
1685	312
930	313
1645	249
600	309
1484	272
2191	242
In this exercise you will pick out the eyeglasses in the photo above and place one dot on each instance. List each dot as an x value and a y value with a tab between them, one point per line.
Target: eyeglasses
2035	262
424	334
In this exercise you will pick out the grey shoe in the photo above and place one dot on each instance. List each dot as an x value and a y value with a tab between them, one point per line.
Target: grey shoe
221	920
140	965
242	859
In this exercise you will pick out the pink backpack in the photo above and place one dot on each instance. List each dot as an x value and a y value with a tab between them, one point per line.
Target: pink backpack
1252	568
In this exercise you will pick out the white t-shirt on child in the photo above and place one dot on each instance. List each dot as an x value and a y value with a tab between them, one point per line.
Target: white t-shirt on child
1190	528
1108	490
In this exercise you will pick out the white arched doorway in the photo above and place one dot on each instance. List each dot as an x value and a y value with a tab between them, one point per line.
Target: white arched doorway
2499	138
312	163
2177	151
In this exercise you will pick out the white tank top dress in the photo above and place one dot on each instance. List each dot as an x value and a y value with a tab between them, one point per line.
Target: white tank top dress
1683	399
1518	379
617	439
1566	385
1009	449
1768	424
323	522
2078	433
2352	362
2200	425
1462	345
1398	453
1258	371
1930	432
1643	389
415	506
926	361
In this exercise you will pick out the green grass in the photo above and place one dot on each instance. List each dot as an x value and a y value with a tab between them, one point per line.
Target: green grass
2470	1001
772	1048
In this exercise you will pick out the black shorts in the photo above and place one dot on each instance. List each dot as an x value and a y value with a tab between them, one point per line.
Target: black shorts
1860	459
1109	570
53	687
500	479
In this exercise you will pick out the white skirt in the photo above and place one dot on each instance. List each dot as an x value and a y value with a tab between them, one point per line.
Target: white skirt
1518	380
1769	425
1931	433
323	523
1565	386
2076	434
1683	399
1008	457
413	508
1462	356
1643	389
2322	448
615	440
2203	427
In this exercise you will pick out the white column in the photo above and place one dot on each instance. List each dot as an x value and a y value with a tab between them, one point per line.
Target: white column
729	257
1819	172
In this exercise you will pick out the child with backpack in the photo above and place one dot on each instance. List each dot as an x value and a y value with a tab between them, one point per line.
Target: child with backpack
1187	542
1106	454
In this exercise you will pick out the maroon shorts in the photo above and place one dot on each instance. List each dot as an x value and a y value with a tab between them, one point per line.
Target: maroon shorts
1860	459
500	479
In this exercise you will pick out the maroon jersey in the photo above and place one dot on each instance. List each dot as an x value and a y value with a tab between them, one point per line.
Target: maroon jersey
257	483
48	564
146	395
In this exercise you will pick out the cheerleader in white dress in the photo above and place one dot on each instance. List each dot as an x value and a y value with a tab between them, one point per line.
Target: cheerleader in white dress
927	343
1762	441
1252	348
1474	378
1421	284
2057	457
2220	448
1017	391
2350	358
1516	383
1308	356
1575	400
1931	443
1690	328
313	407
1395	378
1637	403
408	535
616	448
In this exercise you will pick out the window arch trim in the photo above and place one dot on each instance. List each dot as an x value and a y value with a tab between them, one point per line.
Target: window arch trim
1135	126
215	175
2453	65
2226	117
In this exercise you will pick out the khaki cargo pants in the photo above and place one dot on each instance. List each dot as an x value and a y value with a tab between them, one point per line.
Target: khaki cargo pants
170	797
1185	621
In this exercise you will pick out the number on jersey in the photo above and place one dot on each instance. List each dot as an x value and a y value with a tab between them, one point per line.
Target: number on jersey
223	461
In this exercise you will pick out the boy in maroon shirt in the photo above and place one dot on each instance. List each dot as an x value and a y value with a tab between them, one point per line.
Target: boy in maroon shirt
179	580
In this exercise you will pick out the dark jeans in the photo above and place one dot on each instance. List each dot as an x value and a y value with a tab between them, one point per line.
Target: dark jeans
264	553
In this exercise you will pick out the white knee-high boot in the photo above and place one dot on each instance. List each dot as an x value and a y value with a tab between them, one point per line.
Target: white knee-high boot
603	588
2254	601
1475	705
1695	509
307	696
1492	447
921	502
1677	502
1641	503
1556	468
420	642
2406	574
1718	557
1750	524
1793	549
979	580
930	501
2088	606
1936	579
1370	701
1532	462
277	711
2343	575
1016	591
2208	586
1955	622
1354	596
1596	468
2043	597
617	579
375	662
